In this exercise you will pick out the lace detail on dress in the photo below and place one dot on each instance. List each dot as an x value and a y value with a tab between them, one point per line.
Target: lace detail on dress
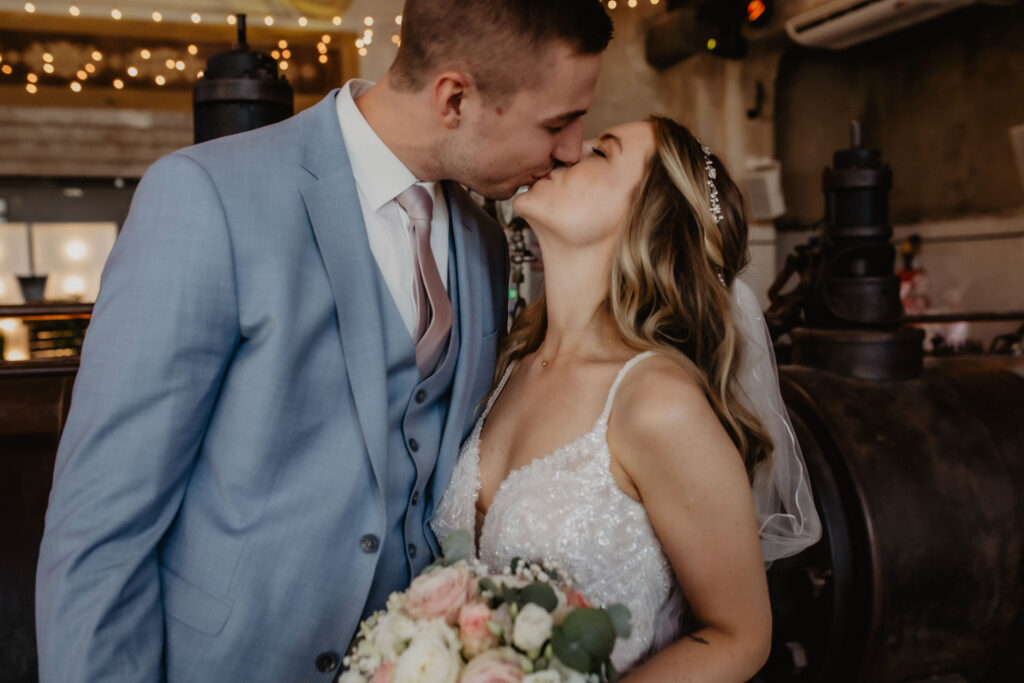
566	508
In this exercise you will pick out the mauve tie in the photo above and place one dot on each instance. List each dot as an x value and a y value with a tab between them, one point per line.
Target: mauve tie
435	310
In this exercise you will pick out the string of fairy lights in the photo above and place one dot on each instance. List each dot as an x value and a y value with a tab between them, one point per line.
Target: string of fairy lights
77	76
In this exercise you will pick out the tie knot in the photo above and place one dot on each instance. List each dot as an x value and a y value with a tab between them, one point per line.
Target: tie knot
417	203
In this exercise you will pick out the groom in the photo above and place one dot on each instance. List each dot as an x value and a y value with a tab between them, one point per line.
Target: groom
294	328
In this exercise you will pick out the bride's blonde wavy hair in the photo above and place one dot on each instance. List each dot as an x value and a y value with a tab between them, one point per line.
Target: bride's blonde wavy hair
666	289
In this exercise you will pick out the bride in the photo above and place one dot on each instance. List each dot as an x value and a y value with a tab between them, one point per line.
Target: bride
635	435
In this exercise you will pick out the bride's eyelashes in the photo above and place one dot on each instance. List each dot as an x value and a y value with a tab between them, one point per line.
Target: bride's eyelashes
599	152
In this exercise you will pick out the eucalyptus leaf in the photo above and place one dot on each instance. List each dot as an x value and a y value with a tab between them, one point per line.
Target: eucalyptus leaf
620	620
610	673
592	628
458	546
488	585
570	652
540	594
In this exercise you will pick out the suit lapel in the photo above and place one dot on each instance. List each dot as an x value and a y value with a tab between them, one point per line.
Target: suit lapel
332	203
472	287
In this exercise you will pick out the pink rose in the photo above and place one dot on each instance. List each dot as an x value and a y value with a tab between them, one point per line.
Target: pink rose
441	593
500	666
384	673
473	631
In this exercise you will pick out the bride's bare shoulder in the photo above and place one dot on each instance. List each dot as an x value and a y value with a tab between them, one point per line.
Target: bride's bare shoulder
661	410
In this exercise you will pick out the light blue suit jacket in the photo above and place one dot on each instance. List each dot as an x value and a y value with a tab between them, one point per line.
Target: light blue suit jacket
226	445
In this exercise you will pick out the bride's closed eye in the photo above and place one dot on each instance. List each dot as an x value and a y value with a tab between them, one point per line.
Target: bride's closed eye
599	152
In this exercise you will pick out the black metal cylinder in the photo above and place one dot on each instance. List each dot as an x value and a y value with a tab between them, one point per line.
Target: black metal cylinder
240	90
920	487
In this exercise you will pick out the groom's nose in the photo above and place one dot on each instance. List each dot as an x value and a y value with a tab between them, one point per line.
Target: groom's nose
569	143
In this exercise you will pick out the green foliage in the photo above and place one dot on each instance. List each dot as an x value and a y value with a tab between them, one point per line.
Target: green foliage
619	615
540	594
458	546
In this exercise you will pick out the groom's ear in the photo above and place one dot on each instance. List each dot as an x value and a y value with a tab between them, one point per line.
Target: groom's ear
450	89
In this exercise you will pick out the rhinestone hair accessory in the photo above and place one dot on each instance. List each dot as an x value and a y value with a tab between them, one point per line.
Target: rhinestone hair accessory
716	205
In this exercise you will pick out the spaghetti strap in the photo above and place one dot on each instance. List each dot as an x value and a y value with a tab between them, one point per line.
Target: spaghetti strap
497	391
618	380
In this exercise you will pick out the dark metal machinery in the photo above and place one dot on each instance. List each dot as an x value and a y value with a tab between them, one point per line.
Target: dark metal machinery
240	90
917	470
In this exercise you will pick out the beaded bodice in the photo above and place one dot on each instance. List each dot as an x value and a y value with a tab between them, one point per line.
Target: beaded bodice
566	508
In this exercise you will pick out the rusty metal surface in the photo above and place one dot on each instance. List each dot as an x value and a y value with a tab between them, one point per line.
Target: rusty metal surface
929	474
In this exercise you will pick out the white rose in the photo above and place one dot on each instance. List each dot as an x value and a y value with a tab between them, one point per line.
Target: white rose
543	677
402	627
432	656
532	628
352	677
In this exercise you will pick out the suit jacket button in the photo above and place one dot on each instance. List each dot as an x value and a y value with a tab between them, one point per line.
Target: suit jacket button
369	543
326	661
421	396
414	445
412	550
415	497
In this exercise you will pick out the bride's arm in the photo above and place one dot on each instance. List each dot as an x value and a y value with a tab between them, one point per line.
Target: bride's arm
670	451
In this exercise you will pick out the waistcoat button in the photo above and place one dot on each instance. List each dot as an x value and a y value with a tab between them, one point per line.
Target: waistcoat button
412	550
421	396
326	661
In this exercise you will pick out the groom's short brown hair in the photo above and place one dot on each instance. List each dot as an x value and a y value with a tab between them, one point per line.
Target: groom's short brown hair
493	40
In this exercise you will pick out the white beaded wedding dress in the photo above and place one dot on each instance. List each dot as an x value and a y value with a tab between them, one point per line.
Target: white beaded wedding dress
565	508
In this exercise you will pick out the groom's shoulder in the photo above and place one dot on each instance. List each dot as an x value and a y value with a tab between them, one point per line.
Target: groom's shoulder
268	147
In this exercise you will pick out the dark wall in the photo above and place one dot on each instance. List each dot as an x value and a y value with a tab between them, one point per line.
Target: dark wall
67	199
938	99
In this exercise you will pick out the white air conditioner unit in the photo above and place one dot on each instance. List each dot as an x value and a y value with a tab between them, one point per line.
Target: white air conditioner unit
842	23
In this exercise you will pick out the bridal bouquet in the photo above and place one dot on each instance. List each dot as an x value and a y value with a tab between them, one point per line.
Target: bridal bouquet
458	623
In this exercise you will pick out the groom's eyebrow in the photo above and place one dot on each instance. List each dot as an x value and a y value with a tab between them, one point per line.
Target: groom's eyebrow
564	119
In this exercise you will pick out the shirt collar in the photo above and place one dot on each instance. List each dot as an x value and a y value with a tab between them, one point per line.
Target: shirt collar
380	174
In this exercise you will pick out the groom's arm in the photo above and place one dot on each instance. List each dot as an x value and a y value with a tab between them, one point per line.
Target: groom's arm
162	334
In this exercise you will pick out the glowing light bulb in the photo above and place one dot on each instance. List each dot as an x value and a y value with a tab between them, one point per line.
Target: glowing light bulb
322	49
82	75
48	68
193	50
287	54
15	354
133	72
48	58
179	65
395	38
169	63
303	21
196	18
76	86
631	3
145	54
74	284
32	89
157	17
6	68
362	52
359	42
282	43
90	67
232	19
322	59
116	14
76	250
30	8
97	56
160	80
32	78
74	11
118	83
275	54
325	39
398	20
612	4
283	65
336	21
368	21
268	20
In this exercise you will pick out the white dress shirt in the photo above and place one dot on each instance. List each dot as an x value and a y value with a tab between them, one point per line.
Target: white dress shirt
380	178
